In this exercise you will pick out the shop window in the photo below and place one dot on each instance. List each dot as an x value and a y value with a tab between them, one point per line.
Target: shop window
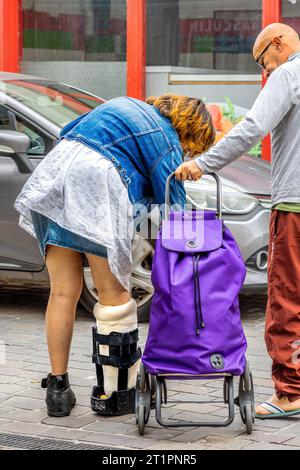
210	35
78	42
93	30
290	12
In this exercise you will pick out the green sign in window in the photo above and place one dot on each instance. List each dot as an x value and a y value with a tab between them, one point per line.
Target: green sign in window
36	39
203	44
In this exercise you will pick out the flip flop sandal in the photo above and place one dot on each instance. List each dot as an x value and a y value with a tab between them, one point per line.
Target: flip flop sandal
275	411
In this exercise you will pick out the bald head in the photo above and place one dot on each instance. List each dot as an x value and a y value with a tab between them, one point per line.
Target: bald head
274	44
289	37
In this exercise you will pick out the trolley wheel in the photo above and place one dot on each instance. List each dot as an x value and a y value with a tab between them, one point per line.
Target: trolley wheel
141	420
247	378
137	398
144	379
146	414
152	384
245	400
152	391
142	397
248	412
247	416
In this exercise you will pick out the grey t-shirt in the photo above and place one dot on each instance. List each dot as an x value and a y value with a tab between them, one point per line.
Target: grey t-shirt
276	110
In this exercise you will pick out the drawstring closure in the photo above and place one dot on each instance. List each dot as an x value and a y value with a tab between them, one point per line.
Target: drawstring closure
197	297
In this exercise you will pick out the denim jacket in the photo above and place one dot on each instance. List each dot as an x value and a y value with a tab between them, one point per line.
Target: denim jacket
140	142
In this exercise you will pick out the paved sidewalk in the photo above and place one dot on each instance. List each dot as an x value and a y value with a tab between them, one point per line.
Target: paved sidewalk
22	407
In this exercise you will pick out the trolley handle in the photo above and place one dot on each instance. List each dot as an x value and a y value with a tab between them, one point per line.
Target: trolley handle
219	193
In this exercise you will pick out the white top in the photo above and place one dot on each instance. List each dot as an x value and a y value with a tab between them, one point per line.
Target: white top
82	191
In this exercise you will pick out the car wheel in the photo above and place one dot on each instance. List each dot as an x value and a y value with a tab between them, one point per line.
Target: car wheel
140	281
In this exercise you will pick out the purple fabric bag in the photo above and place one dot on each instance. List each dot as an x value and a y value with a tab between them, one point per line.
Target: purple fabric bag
197	273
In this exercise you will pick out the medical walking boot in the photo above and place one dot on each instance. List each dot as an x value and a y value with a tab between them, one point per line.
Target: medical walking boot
60	398
117	358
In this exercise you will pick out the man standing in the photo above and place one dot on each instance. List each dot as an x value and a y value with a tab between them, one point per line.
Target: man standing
276	110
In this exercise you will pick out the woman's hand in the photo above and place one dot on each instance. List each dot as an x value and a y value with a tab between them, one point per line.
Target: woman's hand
188	171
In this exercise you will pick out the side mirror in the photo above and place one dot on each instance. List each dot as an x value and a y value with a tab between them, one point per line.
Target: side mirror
15	145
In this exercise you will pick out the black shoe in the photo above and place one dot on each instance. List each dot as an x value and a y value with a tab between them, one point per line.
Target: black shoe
60	398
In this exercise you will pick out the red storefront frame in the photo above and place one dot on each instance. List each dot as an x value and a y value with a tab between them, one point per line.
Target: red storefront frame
9	35
136	48
11	43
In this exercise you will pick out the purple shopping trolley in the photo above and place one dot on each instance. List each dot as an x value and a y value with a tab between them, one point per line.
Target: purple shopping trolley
195	329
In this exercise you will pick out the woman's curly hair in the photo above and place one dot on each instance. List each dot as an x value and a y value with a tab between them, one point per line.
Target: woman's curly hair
190	118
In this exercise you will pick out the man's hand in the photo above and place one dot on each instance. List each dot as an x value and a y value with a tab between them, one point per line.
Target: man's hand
188	171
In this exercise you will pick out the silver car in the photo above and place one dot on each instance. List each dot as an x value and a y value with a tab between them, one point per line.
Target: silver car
32	112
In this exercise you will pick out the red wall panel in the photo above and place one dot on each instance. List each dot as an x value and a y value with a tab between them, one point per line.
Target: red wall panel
9	35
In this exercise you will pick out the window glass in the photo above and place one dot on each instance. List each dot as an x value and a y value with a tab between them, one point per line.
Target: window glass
290	12
7	119
89	30
212	35
58	103
203	49
39	143
79	42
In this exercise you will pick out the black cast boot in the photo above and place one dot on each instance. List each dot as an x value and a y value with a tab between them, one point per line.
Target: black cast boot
60	398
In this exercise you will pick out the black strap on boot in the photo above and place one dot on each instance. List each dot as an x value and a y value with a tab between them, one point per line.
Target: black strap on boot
123	353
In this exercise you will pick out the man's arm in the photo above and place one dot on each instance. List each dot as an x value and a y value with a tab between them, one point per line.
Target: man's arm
270	107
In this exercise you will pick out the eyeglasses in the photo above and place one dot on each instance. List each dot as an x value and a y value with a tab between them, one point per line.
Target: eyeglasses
262	65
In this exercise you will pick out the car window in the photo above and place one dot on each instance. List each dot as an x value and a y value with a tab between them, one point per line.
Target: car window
57	102
7	119
39	143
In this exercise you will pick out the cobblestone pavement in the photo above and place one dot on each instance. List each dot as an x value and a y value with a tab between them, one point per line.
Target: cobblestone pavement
22	407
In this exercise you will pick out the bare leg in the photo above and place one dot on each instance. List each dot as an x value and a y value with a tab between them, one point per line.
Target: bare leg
65	272
110	291
116	311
